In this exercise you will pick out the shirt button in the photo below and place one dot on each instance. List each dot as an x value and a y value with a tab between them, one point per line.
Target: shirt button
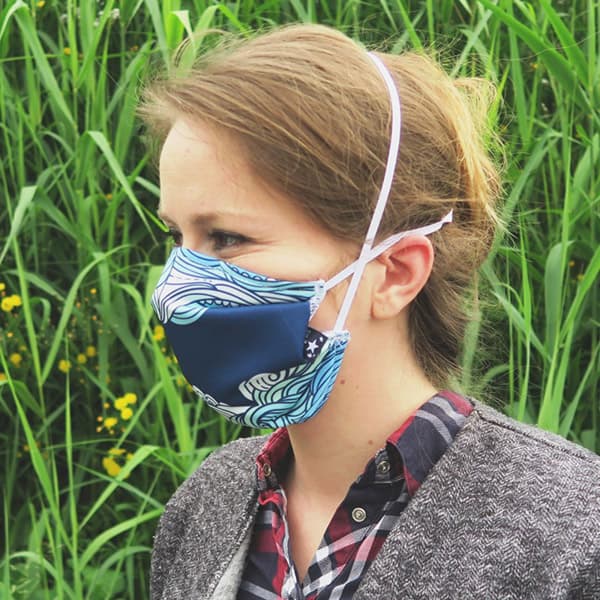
383	467
267	469
359	514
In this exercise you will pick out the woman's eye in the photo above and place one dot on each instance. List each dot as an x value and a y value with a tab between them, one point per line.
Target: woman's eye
221	240
175	236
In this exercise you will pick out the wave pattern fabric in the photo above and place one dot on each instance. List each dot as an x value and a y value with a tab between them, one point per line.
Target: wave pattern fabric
243	340
295	394
192	282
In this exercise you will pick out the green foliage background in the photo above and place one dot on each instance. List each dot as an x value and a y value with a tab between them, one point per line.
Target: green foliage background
80	250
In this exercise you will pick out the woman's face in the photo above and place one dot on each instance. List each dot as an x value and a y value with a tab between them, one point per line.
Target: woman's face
213	204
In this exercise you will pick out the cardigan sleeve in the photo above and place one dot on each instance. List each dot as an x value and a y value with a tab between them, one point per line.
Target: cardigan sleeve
173	527
168	532
588	585
205	523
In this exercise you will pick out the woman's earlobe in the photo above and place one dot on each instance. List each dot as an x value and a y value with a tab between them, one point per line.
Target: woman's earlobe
406	269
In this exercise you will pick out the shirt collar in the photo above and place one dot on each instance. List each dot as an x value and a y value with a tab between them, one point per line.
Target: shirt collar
426	435
411	450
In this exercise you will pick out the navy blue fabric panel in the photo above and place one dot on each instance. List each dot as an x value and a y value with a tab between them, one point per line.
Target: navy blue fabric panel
228	345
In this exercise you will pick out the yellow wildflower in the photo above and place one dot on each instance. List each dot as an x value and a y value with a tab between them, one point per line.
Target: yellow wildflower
11	302
3	377
93	291
41	3
129	456
111	466
67	51
120	403
123	401
108	196
81	359
116	451
2	287
64	365
126	413
130	398
110	422
16	359
159	333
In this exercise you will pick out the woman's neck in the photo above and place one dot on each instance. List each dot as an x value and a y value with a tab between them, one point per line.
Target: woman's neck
373	396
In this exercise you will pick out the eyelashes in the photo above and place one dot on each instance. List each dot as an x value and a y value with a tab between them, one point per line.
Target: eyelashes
222	240
219	239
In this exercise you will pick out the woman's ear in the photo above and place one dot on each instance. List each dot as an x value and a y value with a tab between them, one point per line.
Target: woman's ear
403	272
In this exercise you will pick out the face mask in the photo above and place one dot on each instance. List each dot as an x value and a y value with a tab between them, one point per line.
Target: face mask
243	340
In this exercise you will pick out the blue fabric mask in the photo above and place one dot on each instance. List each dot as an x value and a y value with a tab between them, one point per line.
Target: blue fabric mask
243	340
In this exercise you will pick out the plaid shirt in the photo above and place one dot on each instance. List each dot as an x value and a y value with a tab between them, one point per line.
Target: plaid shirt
362	521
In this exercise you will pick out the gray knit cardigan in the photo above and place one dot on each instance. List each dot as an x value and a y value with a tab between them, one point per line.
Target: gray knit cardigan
509	512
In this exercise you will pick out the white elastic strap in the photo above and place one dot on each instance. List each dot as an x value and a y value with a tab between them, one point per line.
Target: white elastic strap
388	243
364	256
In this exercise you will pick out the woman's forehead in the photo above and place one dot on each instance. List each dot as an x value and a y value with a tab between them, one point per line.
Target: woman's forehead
192	146
203	177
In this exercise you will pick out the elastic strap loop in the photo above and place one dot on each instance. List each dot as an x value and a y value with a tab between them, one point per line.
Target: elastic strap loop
364	256
388	243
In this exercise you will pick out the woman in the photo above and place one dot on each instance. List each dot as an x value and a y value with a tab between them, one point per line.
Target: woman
330	208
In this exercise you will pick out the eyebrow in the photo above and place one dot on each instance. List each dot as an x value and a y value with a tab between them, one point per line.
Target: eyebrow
209	218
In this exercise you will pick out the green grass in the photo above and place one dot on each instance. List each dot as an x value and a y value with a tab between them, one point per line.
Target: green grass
81	247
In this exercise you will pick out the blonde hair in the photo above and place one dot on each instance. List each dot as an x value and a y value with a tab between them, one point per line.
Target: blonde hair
312	116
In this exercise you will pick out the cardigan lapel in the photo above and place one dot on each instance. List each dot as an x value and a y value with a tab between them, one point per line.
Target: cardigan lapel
220	579
228	586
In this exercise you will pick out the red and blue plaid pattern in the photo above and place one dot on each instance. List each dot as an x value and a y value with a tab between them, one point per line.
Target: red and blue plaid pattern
362	521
